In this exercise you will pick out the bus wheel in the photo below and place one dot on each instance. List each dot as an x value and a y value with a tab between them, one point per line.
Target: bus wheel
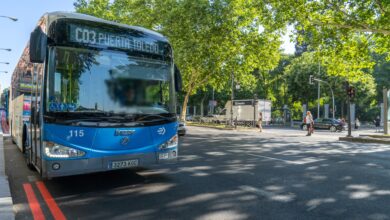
10	130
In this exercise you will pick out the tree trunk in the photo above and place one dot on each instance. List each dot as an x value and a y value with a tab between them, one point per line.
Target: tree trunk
202	105
185	102
201	109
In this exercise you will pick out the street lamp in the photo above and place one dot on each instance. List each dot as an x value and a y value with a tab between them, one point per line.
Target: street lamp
11	18
4	63
231	100
7	49
3	72
254	109
319	80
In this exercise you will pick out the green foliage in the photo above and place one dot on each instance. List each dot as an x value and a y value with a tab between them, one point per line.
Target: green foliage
217	40
381	73
301	91
211	39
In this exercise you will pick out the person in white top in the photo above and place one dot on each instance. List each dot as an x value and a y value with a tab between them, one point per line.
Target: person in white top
260	121
309	123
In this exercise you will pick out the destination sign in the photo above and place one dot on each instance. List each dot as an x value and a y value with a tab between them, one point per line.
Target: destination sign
101	37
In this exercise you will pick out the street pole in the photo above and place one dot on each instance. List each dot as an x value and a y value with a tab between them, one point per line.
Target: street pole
331	90
254	110
212	106
332	101
349	117
385	111
319	91
231	101
318	104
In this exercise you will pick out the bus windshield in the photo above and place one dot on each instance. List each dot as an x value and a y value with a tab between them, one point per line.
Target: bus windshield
113	82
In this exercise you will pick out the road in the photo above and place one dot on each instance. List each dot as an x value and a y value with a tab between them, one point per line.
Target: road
277	174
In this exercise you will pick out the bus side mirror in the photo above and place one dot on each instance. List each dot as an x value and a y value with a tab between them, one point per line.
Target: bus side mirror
178	80
38	43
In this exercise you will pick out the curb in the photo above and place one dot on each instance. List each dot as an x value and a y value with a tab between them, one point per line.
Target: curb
374	135
200	126
364	140
226	129
6	204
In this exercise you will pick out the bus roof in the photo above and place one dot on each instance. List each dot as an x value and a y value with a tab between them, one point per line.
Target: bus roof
53	16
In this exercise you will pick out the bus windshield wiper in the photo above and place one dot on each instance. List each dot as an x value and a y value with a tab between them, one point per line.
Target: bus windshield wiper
97	116
99	119
159	117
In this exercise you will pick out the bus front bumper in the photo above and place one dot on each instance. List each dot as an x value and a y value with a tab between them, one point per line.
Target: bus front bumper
58	168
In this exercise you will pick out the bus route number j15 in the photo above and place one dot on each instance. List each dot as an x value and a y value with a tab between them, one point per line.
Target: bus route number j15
76	133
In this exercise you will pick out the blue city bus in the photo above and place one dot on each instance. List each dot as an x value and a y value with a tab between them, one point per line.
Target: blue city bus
102	97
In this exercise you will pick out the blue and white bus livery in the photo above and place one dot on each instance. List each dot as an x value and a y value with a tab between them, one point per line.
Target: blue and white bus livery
103	97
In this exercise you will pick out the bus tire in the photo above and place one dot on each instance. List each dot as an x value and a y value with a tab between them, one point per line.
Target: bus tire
10	131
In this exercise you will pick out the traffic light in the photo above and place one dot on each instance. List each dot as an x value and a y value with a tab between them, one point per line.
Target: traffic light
311	79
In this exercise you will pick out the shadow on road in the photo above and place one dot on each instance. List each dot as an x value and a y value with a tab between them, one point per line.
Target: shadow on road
240	176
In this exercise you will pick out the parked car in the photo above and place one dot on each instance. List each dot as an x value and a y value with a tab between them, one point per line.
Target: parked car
327	123
213	119
181	130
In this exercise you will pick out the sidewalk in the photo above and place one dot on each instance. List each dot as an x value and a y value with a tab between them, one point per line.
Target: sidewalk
368	138
6	210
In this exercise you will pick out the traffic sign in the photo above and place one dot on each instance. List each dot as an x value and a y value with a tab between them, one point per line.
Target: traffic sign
311	79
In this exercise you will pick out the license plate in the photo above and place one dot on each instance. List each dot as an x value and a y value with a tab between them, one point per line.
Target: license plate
124	164
163	156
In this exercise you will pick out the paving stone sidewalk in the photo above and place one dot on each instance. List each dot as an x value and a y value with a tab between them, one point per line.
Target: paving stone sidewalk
6	210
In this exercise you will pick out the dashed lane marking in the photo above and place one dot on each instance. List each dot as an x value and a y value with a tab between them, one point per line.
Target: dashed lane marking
298	162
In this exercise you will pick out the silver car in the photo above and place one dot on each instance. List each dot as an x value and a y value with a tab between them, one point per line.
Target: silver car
181	130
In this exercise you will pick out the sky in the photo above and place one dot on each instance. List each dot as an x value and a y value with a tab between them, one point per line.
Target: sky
14	35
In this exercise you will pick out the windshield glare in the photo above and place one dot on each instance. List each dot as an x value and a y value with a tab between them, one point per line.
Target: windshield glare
107	81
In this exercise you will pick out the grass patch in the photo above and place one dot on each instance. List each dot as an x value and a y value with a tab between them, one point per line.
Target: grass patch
210	125
218	126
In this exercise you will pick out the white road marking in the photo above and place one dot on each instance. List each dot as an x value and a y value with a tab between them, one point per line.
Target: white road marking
32	179
297	162
271	158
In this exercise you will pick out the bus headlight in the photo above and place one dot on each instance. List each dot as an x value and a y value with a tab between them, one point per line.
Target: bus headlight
173	142
54	150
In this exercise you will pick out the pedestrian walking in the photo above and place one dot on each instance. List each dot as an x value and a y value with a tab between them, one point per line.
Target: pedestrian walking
377	124
357	123
309	123
260	121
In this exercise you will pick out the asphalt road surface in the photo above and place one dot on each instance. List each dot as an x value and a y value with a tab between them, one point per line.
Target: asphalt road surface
277	174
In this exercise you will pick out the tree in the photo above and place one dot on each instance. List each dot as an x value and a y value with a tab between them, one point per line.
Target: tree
301	91
343	34
212	40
